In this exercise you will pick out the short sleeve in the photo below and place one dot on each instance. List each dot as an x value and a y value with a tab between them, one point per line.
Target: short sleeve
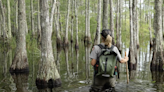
94	53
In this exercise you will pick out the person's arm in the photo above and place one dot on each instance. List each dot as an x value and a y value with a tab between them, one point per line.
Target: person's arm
125	59
120	59
93	55
93	62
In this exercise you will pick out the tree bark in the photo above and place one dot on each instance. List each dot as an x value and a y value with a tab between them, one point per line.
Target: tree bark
112	20
4	22
163	19
150	32
158	59
32	18
77	43
76	24
105	14
58	39
21	82
87	38
72	23
47	75
97	36
16	17
20	61
120	22
0	26
66	30
9	20
135	29
117	28
131	51
38	25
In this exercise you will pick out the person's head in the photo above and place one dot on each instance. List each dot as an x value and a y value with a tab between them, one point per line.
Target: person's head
106	37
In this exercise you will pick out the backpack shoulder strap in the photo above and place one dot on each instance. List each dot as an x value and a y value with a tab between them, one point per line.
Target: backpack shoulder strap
111	47
101	46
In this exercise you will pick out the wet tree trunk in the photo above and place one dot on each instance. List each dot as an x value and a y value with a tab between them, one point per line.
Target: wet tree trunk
117	27
77	43
9	20
150	32
3	21
97	36
87	38
0	26
105	14
66	30
21	82
16	17
72	29
131	64
112	20
47	75
58	39
120	22
134	16
32	18
20	61
158	58
76	25
72	23
163	19
137	33
38	25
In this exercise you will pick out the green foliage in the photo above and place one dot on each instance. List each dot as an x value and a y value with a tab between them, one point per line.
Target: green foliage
31	45
144	36
125	33
153	81
93	25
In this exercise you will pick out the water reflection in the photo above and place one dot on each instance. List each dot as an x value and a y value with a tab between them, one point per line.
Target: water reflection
21	82
45	90
141	80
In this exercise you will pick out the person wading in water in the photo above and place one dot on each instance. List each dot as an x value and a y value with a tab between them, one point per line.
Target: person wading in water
106	82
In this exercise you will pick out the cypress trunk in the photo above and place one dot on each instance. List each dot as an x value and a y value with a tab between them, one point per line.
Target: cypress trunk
20	61
117	27
158	58
38	25
9	20
21	82
3	21
97	36
112	20
105	14
132	63
47	75
87	38
32	18
58	39
67	24
76	25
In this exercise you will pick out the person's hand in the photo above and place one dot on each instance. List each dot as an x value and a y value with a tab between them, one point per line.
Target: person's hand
126	58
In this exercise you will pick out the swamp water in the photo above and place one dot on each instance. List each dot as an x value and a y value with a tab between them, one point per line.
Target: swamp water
79	78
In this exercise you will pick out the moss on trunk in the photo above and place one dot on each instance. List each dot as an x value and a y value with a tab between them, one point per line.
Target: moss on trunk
48	75
19	64
87	41
157	62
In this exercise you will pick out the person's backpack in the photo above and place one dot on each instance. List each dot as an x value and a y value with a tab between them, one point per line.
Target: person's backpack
106	61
